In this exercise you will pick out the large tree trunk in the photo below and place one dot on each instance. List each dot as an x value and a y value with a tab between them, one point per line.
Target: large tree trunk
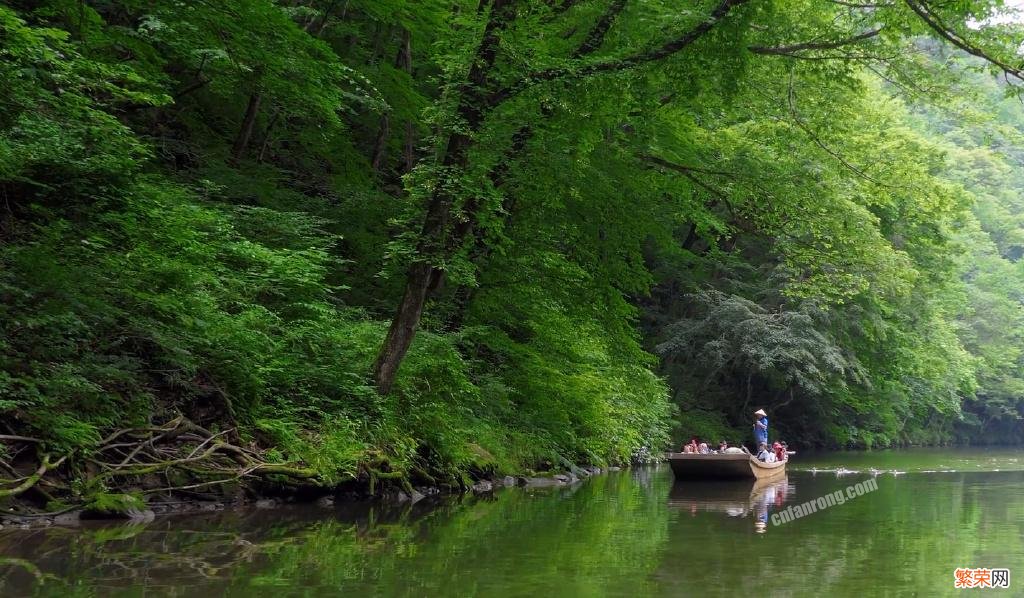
403	326
479	95
248	123
436	238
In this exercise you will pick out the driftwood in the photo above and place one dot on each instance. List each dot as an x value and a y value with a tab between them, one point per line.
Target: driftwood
29	481
197	458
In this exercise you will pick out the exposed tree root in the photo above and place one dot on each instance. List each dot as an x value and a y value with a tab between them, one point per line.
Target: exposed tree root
178	457
31	480
379	468
186	455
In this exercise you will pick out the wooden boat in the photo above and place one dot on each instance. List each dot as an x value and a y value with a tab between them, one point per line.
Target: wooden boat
738	466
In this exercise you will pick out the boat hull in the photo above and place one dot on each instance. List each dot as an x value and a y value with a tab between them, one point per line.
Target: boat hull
688	466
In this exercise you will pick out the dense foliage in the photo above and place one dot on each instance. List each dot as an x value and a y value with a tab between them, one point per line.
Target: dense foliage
436	240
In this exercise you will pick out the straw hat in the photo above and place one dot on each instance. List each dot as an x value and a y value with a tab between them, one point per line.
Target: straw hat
761	413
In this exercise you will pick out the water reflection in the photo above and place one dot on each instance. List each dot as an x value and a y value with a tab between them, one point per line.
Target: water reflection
601	537
632	533
757	499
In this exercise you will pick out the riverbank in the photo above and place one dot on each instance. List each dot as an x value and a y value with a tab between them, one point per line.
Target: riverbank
22	514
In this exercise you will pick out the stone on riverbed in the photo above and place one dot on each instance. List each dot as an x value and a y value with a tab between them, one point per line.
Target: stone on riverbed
71	518
542	482
482	487
117	506
134	515
404	497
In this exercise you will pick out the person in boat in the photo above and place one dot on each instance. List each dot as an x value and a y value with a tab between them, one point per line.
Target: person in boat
763	453
688	448
760	427
703	449
722	445
779	450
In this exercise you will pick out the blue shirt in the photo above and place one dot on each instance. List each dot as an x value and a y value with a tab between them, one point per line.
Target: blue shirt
762	433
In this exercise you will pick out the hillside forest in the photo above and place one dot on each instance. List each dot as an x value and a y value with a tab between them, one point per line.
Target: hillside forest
394	242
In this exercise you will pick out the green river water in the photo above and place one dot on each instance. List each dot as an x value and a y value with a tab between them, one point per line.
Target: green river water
629	533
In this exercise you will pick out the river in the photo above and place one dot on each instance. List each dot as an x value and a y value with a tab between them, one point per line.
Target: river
629	533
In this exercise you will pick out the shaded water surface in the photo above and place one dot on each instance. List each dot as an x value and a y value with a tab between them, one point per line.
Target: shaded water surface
633	533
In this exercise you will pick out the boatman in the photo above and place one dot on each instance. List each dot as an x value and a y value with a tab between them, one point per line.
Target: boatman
760	427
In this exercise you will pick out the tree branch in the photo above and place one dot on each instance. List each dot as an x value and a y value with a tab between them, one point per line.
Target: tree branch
817	140
619	64
682	167
596	36
8	437
560	7
793	49
861	4
688	172
32	479
935	22
197	84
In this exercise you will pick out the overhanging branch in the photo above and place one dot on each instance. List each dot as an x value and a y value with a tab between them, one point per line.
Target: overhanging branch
683	168
942	30
795	49
620	64
596	36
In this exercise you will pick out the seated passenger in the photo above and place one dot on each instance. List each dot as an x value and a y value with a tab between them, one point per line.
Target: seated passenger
780	452
703	449
762	452
722	445
687	448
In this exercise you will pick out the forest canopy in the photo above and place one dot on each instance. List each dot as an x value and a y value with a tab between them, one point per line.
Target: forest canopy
433	241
